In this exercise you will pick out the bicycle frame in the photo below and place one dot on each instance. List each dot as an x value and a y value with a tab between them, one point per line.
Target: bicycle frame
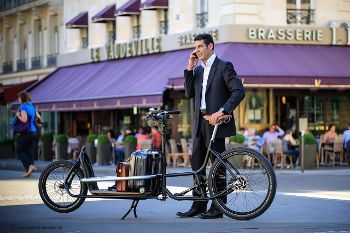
85	163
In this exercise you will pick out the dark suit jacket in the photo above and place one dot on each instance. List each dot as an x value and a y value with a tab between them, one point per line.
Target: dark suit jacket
224	89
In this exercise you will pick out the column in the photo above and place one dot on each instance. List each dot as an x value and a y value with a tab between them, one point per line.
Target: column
30	41
16	45
45	23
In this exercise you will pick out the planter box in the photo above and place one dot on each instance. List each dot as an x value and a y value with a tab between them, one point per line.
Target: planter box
91	152
309	156
61	151
103	154
6	151
128	150
46	151
236	160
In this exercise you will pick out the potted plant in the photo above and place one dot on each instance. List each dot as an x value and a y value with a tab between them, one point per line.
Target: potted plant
61	146
6	148
103	150
90	147
237	141
46	146
130	143
309	151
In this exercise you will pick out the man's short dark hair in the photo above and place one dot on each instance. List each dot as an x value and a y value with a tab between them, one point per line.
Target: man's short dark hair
206	37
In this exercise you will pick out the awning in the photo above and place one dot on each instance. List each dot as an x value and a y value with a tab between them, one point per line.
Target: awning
10	92
284	66
132	7
154	4
141	81
79	21
138	81
105	15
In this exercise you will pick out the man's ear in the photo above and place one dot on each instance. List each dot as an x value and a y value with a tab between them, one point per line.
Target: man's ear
210	46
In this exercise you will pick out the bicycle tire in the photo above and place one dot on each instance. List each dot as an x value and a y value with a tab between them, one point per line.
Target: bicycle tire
49	190
241	187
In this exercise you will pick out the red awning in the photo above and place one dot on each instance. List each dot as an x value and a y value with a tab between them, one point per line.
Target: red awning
107	14
154	4
11	91
132	7
79	21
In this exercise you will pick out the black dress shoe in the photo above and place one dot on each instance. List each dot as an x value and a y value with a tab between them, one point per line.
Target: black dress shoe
191	213
211	214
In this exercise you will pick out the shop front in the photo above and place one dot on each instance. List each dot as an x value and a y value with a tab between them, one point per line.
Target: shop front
285	79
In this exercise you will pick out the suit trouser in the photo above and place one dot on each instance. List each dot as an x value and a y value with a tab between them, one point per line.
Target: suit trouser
348	150
200	146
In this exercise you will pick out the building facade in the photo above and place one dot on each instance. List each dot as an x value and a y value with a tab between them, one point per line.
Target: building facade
117	58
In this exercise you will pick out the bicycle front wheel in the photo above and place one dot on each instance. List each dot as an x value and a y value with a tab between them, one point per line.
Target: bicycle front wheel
52	189
247	184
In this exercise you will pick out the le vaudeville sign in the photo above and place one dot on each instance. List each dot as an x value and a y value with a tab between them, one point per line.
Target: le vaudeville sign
128	49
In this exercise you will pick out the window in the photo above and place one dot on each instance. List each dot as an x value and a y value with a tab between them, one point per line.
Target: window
163	24
255	107
84	38
202	13
300	12
136	30
111	32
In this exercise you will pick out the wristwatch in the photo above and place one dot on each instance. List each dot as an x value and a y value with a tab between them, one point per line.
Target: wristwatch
222	110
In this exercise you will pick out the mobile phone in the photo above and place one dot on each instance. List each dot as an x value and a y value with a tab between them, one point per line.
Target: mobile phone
195	55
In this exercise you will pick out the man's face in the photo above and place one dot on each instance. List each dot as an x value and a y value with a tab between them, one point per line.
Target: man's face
203	52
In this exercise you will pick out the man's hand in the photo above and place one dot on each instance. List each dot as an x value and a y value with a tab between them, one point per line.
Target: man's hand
192	61
214	117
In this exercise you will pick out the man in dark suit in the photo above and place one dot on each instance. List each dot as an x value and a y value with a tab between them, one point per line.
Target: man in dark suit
217	91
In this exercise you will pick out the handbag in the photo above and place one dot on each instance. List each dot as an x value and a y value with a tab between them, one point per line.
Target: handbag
38	122
20	127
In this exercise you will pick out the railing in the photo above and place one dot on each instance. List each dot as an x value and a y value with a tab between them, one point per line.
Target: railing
8	4
163	27
7	67
36	63
300	16
136	31
202	19
21	65
52	60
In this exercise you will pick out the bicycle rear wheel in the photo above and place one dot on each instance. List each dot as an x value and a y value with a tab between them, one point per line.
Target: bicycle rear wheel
53	192
248	193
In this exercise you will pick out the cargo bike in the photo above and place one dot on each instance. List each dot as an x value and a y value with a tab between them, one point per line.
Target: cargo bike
248	177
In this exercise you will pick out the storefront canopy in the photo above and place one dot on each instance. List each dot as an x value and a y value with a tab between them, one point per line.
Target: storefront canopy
141	81
79	21
285	66
107	14
154	4
132	7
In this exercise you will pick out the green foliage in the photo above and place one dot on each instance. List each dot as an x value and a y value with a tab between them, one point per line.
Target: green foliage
102	139
6	142
309	139
238	138
61	138
130	140
46	138
91	138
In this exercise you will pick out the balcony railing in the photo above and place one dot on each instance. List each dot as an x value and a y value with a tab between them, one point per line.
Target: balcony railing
52	60
202	19
136	32
8	4
7	67
36	63
300	16
163	27
21	65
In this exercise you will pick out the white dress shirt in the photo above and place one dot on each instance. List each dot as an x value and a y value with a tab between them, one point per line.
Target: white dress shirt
207	68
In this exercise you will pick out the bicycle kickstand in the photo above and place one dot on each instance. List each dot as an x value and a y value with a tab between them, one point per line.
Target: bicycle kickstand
132	207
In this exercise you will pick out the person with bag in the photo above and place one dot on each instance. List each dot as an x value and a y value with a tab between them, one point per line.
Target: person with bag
25	125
